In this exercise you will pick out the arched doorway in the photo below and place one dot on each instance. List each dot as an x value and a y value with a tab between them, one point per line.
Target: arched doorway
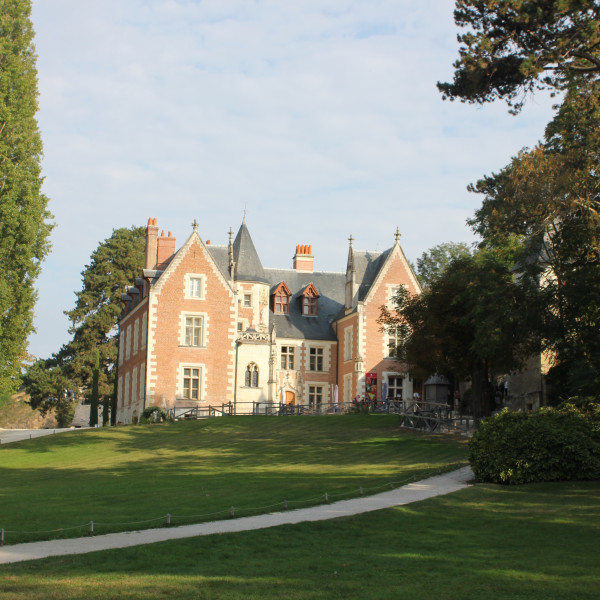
290	398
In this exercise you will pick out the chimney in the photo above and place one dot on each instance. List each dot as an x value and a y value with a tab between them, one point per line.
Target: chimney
151	247
303	259
166	249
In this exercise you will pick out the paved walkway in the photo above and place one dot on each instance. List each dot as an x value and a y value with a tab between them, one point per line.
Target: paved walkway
16	435
434	486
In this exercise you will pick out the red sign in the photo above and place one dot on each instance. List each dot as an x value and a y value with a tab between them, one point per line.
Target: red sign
374	375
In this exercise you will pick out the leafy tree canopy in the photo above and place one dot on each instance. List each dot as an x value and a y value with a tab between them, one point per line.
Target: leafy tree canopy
113	266
435	261
518	46
24	227
551	196
470	321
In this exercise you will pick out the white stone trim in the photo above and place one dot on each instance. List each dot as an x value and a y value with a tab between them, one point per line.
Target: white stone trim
406	384
136	336
203	378
347	388
327	399
348	355
326	356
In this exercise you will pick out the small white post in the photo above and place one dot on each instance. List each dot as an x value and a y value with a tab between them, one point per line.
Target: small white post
285	504
361	492
232	512
1	537
92	528
169	519
439	470
392	484
414	477
326	497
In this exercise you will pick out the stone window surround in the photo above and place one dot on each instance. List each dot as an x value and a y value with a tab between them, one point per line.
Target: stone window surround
186	284
136	336
327	393
326	365
348	355
385	375
297	344
204	317
202	386
347	391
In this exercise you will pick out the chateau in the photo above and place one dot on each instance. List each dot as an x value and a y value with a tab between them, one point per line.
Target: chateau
206	325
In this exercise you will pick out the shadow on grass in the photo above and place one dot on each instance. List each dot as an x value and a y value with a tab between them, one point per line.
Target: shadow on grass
452	547
137	473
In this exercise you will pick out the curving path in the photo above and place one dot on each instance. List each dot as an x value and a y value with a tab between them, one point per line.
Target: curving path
428	488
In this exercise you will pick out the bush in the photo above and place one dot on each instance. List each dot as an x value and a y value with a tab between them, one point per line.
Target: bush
154	413
552	444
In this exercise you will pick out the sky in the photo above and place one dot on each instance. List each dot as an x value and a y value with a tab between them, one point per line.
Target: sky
321	118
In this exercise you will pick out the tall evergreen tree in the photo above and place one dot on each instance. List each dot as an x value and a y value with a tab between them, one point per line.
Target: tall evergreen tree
113	267
24	226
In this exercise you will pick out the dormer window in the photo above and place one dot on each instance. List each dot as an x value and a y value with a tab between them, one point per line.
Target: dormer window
309	301
281	299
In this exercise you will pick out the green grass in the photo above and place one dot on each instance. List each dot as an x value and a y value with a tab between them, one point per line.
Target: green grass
534	542
193	468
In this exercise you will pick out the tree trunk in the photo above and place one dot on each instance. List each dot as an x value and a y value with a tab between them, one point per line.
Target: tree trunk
105	406
479	382
94	402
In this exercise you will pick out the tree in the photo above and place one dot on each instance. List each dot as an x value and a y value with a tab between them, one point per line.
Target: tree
114	265
470	322
551	196
435	261
24	227
519	46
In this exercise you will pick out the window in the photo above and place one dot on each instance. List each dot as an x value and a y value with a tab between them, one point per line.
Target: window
309	306
395	388
316	359
393	341
193	331
144	329
308	300
134	382
126	399
348	344
136	334
191	383
128	346
120	392
251	379
282	304
121	346
315	395
240	326
195	287
287	357
247	300
143	381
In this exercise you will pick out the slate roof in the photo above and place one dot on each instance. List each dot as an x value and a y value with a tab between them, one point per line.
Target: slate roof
330	286
220	255
247	264
367	266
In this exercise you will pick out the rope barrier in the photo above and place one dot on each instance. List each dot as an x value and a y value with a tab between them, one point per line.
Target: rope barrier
168	517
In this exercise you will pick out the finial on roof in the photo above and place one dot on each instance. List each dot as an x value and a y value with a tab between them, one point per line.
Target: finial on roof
397	235
351	239
195	225
245	212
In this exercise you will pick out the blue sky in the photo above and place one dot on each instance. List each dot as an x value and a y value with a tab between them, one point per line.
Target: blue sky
322	116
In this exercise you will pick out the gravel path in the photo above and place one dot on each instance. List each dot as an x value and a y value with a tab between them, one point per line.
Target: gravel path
16	435
428	488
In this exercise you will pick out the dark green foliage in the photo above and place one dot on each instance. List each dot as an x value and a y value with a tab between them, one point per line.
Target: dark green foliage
24	231
154	413
94	398
517	46
552	444
434	262
114	265
470	322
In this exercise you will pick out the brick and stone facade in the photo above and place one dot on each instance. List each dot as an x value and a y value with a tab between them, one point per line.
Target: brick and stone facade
207	325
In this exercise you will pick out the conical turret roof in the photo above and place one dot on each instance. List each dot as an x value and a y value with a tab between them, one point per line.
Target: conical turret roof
247	264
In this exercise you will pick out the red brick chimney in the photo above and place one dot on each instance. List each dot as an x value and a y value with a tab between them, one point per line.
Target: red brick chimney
303	259
166	249
151	245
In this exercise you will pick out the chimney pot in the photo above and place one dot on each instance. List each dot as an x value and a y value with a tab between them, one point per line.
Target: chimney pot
310	249
165	249
150	221
162	233
155	221
169	234
208	242
303	261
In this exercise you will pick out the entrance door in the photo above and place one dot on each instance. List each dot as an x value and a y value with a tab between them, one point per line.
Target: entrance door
290	398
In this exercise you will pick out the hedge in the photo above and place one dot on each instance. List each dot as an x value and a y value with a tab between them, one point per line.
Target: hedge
552	444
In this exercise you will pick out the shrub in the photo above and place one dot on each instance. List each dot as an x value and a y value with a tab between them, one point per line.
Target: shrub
154	413
552	444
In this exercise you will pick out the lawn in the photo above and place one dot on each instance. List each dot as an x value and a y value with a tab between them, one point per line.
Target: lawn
533	542
134	473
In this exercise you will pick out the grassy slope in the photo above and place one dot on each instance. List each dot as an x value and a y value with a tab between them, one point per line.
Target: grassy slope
534	542
137	473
